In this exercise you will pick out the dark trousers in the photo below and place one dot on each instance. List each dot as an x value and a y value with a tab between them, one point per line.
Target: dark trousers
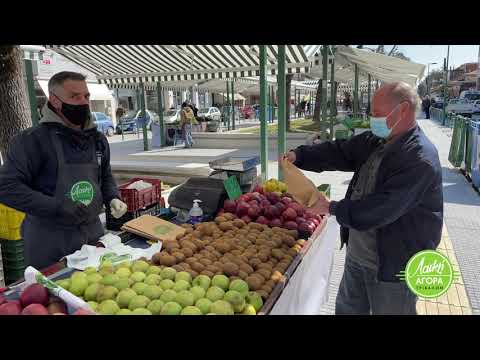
361	294
427	113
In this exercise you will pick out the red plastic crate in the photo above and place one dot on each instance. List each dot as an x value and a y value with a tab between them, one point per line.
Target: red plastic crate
136	199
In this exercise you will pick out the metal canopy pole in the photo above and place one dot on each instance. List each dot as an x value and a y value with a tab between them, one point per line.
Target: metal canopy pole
160	113
332	96
233	106
119	123
324	91
369	94
144	116
355	93
227	107
263	114
31	92
282	100
137	93
445	86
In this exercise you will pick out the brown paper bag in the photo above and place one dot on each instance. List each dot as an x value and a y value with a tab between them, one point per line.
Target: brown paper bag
153	228
299	186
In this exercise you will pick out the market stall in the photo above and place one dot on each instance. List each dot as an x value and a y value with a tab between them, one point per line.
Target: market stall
251	253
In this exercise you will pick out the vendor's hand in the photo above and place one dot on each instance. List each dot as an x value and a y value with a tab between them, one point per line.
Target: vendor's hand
117	208
74	213
321	207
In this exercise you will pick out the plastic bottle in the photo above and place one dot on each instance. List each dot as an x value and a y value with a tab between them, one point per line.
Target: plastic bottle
196	212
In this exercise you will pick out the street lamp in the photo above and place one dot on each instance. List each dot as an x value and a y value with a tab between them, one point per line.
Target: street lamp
428	74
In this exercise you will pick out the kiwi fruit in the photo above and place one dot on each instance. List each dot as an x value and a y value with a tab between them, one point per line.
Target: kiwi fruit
270	283
246	268
156	258
209	248
198	267
178	256
185	265
223	247
239	223
212	268
229	216
242	275
186	226
193	273
236	252
188	231
230	269
187	252
199	244
190	261
277	254
263	294
207	273
167	260
267	289
265	273
178	267
254	282
263	256
206	261
259	276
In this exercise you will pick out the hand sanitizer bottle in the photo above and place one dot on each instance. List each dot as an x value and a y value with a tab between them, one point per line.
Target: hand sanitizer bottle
196	212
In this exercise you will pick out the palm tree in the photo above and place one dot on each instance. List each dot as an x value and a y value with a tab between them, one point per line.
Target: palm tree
14	109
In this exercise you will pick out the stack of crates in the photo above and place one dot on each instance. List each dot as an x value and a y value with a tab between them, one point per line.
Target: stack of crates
11	244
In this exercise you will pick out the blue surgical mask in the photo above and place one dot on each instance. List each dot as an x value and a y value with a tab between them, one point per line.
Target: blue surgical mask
379	126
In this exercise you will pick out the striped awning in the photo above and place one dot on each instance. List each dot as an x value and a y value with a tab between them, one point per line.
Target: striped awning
130	64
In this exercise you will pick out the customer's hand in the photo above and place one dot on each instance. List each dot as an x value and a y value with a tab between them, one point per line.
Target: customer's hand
321	207
290	156
74	213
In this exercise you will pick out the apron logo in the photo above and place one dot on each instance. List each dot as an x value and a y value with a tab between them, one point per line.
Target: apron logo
83	192
429	274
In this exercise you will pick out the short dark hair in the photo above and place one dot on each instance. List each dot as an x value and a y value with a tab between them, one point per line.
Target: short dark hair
59	78
184	105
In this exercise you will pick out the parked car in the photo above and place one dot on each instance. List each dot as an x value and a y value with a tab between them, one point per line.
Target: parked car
476	107
171	116
130	121
210	113
471	95
104	123
460	106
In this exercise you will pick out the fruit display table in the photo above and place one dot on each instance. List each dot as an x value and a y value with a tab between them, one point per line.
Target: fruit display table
307	290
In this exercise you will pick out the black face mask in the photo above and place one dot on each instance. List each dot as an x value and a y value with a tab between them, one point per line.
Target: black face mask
76	114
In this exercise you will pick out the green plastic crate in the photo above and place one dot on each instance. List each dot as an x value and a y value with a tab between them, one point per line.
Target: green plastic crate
12	247
343	134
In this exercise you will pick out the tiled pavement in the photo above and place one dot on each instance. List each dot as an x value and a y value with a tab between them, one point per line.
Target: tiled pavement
460	238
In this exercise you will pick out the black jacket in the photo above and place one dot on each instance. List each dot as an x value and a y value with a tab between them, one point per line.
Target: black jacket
29	175
406	207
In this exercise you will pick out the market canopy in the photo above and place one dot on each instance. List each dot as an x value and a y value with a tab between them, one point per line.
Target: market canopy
127	64
379	66
97	91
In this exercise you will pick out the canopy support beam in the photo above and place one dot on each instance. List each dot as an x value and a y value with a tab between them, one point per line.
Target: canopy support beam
282	99
263	112
160	113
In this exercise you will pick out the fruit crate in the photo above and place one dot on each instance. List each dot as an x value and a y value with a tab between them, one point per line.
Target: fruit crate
10	223
113	224
10	247
277	291
140	199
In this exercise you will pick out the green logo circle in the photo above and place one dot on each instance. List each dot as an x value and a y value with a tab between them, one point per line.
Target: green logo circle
429	274
82	191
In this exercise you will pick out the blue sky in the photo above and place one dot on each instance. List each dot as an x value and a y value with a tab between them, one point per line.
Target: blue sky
423	54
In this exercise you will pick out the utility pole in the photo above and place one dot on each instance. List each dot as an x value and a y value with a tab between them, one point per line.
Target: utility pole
478	69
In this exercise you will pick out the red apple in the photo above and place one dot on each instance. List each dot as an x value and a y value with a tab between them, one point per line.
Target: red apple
291	225
35	309
253	203
289	214
276	223
10	308
299	209
265	203
229	206
82	311
34	294
254	212
286	200
246	218
258	189
262	220
300	220
242	208
271	212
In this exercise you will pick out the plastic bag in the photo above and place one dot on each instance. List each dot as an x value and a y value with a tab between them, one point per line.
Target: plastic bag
299	186
139	185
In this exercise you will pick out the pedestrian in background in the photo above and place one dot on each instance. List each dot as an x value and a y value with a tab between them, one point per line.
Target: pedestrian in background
426	106
187	120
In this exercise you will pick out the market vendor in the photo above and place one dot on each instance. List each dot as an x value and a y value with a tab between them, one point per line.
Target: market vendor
393	207
59	174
